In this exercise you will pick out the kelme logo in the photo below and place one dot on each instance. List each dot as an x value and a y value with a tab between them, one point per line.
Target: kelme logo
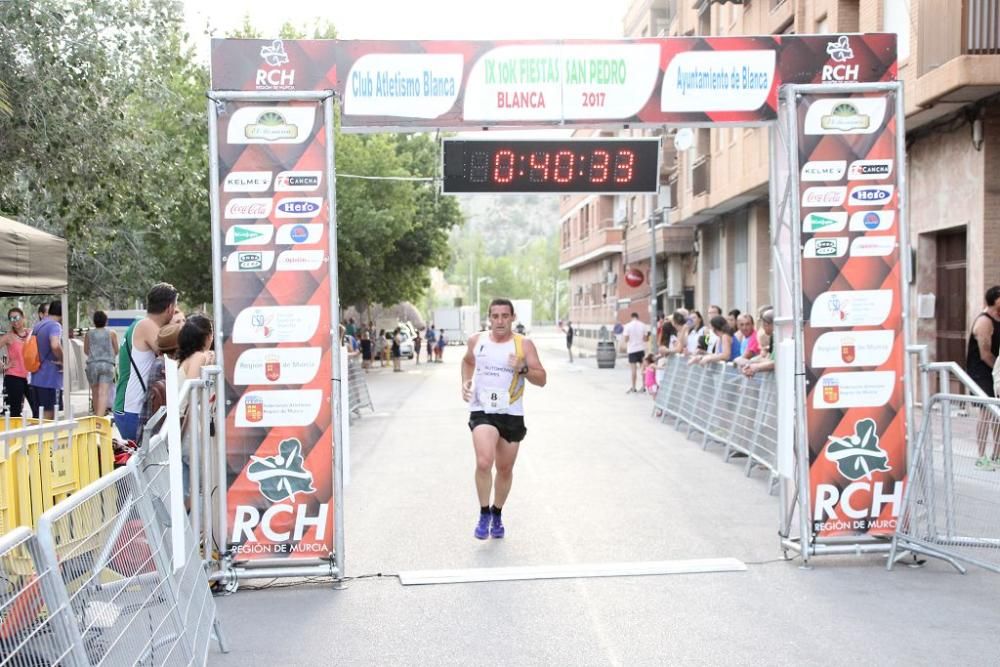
858	455
281	476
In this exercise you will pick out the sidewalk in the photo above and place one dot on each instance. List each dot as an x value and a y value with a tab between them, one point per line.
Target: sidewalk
597	481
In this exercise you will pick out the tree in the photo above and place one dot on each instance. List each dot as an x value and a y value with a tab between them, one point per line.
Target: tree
78	156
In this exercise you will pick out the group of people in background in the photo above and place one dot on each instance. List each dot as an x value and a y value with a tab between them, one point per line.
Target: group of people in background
42	386
386	346
736	338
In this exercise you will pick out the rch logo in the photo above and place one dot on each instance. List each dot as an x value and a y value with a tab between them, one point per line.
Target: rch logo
840	52
858	455
283	475
275	56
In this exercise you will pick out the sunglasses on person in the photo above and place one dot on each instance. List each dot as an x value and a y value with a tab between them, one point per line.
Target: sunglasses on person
14	318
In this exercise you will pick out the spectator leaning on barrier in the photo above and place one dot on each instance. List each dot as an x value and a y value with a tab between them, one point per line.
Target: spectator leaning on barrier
724	346
984	347
749	344
765	360
695	332
45	385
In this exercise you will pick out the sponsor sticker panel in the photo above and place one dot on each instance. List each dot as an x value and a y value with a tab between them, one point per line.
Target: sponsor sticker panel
276	338
853	336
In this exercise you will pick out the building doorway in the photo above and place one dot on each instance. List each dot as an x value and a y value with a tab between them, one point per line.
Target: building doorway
951	315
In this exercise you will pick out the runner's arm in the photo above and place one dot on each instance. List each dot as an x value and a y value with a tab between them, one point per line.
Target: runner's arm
468	368
536	374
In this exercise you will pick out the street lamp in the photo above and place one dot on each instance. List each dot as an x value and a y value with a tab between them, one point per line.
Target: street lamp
480	281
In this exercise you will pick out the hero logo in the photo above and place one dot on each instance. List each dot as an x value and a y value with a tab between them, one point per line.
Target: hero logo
840	52
277	78
251	208
869	170
297	181
307	207
871	196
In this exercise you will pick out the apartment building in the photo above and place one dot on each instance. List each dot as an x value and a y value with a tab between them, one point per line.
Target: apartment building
714	245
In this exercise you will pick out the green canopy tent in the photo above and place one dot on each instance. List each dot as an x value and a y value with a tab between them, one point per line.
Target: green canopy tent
33	262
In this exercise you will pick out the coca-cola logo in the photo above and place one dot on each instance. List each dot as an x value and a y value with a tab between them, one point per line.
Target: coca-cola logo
248	208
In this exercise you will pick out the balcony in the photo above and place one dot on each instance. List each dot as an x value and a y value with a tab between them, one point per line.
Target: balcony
957	58
598	245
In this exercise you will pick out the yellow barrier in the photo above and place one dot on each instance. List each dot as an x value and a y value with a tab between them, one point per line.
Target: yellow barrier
37	471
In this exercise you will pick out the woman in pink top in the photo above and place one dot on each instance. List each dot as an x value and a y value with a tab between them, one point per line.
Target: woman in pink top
15	379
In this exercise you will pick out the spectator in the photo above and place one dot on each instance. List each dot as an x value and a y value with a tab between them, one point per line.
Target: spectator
45	384
416	346
749	344
695	333
156	394
431	338
649	374
352	328
194	347
570	333
179	318
366	350
732	317
764	361
618	331
983	348
724	337
397	340
15	375
439	347
100	346
379	345
43	312
136	355
636	333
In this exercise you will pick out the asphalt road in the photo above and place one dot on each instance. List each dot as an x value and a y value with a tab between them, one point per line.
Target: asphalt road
597	481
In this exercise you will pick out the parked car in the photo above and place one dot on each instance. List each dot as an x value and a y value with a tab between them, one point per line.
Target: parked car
405	345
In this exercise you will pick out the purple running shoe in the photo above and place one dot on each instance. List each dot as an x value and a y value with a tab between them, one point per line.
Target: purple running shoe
483	527
496	530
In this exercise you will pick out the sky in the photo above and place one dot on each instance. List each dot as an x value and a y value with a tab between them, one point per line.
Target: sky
417	19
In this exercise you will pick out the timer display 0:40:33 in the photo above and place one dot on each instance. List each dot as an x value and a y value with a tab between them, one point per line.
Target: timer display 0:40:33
560	167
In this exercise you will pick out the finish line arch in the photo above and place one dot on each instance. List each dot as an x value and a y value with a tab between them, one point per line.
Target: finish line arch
837	148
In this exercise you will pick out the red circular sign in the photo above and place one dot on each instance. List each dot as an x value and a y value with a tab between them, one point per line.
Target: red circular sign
634	277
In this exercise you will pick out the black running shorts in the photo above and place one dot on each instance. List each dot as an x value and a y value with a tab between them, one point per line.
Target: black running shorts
511	427
635	357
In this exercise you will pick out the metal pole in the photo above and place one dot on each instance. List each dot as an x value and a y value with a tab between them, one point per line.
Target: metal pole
68	356
651	199
946	459
221	402
802	396
904	259
338	377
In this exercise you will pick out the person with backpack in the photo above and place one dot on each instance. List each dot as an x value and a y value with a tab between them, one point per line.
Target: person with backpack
46	382
15	378
496	366
136	356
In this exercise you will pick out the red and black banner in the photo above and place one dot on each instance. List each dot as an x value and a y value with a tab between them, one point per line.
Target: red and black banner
852	304
277	345
657	81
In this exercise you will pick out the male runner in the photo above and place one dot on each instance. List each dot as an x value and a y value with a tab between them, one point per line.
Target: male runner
496	364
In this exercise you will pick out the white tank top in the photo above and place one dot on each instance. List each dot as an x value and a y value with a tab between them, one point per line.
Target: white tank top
494	389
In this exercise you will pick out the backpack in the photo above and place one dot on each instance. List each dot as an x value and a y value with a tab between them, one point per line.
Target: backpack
29	353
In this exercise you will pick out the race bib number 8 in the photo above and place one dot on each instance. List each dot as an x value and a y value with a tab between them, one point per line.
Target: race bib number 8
494	401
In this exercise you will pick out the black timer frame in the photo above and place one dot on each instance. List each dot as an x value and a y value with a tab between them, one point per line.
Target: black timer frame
563	166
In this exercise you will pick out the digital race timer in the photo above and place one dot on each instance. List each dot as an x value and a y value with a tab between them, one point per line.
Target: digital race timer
569	165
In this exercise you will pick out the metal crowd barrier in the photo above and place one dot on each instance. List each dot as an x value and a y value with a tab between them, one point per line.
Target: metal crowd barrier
357	387
951	506
108	589
724	406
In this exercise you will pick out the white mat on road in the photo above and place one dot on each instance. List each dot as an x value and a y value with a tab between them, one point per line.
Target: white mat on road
581	570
